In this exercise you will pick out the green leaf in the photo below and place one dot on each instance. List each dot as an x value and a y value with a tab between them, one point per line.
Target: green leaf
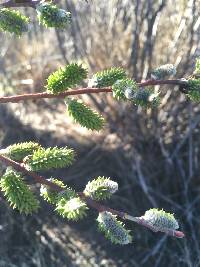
107	77
18	193
163	71
13	21
19	151
100	188
83	115
50	15
160	219
70	206
113	229
65	78
50	158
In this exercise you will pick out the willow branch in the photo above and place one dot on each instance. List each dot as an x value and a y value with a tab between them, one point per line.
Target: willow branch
90	202
178	82
81	91
18	3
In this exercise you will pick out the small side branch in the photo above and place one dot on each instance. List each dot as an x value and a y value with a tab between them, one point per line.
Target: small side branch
18	3
90	202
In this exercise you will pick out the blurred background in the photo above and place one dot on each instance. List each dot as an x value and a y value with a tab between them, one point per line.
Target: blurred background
153	154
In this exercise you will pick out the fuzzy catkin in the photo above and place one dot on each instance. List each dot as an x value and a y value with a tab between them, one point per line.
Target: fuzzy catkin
100	188
17	193
160	219
107	77
163	71
50	158
65	78
13	21
70	206
50	15
113	229
123	88
20	150
84	115
193	90
50	195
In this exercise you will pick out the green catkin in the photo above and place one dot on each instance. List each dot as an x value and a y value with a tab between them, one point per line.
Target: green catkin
65	78
50	15
113	229
84	115
160	219
127	89
197	67
193	89
100	188
50	195
163	71
145	97
124	89
50	158
70	206
107	77
20	150
18	193
13	21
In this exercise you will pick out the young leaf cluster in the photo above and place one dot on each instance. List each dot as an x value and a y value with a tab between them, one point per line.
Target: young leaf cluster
17	192
50	158
84	115
13	21
50	15
65	78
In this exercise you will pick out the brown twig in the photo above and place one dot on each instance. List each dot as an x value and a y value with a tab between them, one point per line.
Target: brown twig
18	3
178	82
94	204
80	91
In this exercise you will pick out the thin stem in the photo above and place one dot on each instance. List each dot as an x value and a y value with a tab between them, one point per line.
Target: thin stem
80	91
18	3
178	82
92	203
